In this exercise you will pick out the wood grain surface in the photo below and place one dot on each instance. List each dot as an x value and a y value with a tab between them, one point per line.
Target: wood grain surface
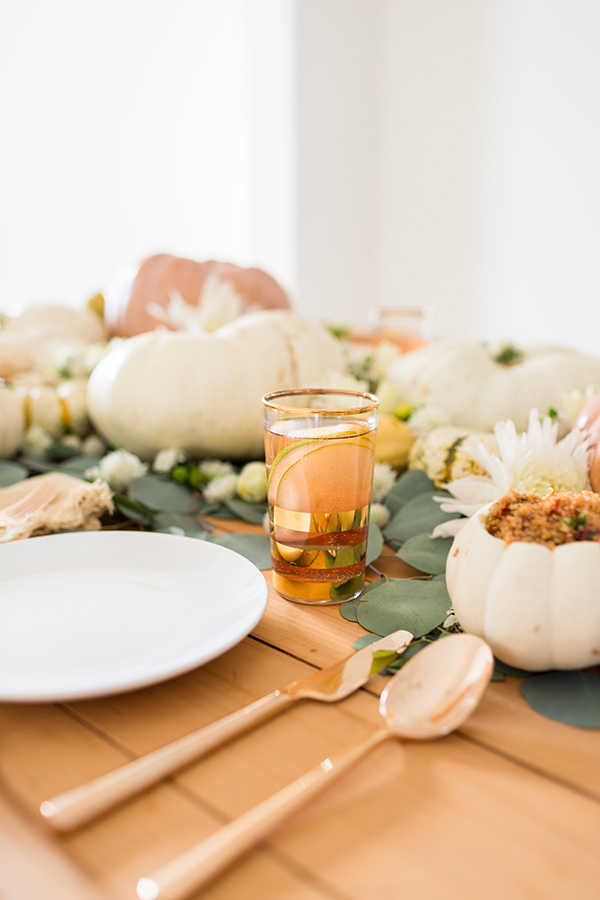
507	808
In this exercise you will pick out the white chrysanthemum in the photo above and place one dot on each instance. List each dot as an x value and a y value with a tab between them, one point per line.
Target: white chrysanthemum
222	487
36	441
167	459
93	446
118	469
73	441
426	418
384	479
533	461
213	468
218	305
251	483
380	514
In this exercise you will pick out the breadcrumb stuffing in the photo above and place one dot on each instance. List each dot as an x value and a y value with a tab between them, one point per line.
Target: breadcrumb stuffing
558	518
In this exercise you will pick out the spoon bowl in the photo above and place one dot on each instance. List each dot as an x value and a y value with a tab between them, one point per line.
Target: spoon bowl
438	688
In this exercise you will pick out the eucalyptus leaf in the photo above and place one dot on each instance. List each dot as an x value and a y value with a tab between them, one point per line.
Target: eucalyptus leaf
248	512
60	452
78	465
219	511
417	606
418	516
255	547
11	473
510	670
179	523
374	543
570	697
426	553
132	510
37	465
365	640
409	485
160	495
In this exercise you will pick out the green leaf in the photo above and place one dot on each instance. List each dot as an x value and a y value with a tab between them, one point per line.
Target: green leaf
132	510
505	669
409	485
426	553
60	452
247	512
179	523
77	466
418	516
374	543
11	473
366	639
160	495
417	606
254	547
218	511
570	697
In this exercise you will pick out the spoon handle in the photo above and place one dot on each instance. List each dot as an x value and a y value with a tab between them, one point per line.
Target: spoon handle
82	804
202	862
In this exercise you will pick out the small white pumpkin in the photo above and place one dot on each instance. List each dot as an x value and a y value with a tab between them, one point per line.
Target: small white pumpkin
201	392
476	390
24	339
12	422
538	608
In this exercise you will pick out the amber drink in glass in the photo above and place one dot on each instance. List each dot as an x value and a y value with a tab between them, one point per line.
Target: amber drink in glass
320	452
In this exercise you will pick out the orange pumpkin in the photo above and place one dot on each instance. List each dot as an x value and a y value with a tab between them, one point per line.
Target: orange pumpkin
589	420
135	290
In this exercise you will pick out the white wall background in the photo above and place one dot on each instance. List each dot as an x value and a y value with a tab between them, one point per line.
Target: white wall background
366	152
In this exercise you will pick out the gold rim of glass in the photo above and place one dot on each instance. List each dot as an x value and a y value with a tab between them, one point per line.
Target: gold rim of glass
372	401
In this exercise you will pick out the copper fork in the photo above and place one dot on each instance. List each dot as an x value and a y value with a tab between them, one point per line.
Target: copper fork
36	499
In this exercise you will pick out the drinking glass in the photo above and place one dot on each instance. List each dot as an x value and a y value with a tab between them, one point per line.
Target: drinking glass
320	453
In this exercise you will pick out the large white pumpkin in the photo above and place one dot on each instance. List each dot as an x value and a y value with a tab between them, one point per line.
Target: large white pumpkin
201	392
538	608
477	391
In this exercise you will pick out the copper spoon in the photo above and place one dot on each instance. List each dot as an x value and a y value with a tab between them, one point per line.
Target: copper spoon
431	695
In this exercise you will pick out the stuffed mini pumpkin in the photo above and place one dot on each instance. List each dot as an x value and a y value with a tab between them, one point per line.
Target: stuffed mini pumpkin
536	603
478	388
202	392
140	296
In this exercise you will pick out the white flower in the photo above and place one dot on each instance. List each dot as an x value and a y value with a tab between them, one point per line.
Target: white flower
222	487
118	469
219	304
251	483
71	440
426	418
380	514
212	468
388	398
93	446
36	441
384	479
168	459
533	461
450	620
572	402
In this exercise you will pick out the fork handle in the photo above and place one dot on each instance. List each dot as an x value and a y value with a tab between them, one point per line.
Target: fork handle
82	804
197	866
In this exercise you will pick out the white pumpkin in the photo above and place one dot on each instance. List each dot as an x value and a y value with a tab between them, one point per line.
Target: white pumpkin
12	422
538	608
477	391
201	392
24	339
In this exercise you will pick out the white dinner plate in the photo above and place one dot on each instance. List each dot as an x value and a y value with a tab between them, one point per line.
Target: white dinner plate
88	614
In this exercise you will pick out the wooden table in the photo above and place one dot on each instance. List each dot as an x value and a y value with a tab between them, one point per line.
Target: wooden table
509	807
